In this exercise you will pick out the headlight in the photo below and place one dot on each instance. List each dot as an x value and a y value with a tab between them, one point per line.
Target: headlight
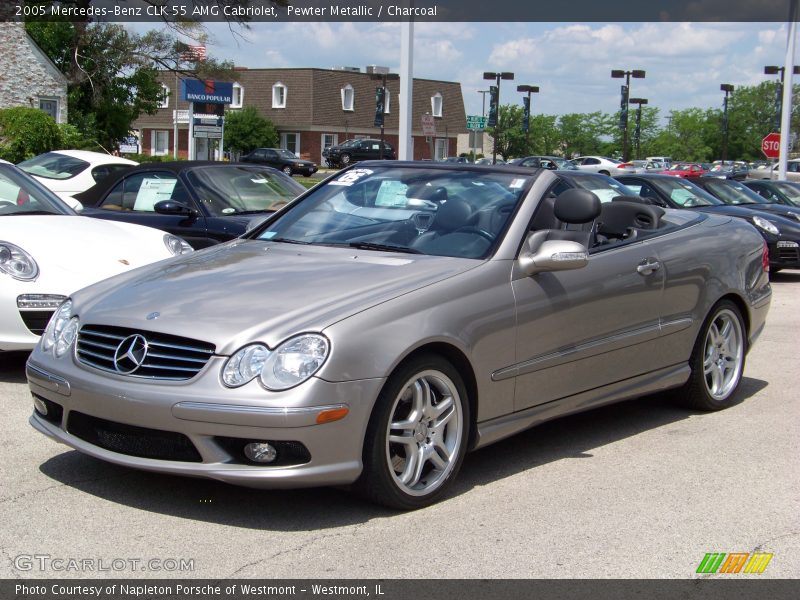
66	337
767	226
176	245
17	263
290	364
56	325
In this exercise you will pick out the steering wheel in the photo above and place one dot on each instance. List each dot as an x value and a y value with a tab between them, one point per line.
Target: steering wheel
484	234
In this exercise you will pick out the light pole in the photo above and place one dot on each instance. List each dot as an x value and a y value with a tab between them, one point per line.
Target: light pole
380	100
773	70
526	103
494	106
475	132
728	89
623	105
637	133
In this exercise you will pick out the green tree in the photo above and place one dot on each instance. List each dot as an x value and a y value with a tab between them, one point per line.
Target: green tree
26	132
583	134
508	136
246	129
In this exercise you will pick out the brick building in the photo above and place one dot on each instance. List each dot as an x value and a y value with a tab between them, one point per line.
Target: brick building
27	76
316	108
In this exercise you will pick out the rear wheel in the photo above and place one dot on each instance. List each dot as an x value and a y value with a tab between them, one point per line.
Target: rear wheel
416	439
288	170
345	159
717	359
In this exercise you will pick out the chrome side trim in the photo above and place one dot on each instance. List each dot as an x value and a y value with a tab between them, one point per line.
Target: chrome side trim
676	325
48	381
255	416
580	351
505	426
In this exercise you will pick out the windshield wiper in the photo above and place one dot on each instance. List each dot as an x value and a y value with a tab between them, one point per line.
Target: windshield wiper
287	241
33	212
384	247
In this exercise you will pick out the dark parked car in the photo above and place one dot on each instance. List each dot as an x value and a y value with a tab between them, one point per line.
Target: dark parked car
280	159
781	234
779	192
737	171
203	202
544	162
737	194
355	150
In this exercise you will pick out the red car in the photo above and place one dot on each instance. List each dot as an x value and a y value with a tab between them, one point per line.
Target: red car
685	170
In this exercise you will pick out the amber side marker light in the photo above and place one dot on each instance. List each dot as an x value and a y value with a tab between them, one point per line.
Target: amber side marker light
334	414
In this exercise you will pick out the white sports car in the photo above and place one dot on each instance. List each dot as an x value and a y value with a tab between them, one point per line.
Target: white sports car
69	172
47	252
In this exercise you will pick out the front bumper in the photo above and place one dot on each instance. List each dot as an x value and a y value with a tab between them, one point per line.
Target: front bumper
209	415
784	254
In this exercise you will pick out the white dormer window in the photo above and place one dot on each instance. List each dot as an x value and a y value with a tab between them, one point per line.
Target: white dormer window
387	103
279	95
436	104
238	96
348	98
164	100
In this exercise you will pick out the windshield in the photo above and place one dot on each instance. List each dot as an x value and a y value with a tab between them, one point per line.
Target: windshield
791	192
733	193
442	212
683	167
286	154
20	194
230	190
53	165
684	193
604	187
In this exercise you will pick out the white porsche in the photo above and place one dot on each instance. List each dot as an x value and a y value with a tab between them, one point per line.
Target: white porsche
47	252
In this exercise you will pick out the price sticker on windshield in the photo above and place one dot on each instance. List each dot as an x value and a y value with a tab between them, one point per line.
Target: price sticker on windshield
351	177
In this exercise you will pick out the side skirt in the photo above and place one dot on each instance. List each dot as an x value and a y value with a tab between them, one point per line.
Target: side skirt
497	429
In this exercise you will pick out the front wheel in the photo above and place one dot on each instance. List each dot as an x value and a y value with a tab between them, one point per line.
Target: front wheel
288	170
717	360
417	435
345	159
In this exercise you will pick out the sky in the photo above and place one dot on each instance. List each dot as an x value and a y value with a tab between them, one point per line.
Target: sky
570	62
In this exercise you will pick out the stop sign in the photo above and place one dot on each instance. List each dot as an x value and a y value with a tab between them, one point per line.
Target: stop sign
771	145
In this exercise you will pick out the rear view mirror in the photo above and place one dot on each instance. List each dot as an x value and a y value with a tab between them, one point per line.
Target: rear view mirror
553	255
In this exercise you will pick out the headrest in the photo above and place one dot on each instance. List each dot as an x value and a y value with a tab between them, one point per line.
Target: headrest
577	206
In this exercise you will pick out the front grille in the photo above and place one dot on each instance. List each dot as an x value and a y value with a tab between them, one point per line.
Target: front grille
789	254
166	357
132	440
36	320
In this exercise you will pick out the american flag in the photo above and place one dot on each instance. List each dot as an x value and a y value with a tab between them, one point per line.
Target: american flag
194	54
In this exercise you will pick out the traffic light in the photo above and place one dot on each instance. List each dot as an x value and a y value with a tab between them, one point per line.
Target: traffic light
494	98
380	97
526	113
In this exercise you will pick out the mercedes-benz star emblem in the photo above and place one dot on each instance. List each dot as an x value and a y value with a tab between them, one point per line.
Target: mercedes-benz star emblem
130	354
153	315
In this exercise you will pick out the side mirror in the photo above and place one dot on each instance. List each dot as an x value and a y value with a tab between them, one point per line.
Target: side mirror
552	255
173	207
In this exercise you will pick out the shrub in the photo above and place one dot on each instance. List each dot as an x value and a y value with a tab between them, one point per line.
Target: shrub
27	132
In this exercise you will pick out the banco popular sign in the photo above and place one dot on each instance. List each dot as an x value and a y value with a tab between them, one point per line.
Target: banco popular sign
210	92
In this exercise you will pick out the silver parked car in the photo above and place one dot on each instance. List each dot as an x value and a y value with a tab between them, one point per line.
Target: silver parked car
394	317
606	166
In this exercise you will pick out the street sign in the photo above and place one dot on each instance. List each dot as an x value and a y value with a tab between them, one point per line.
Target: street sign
476	123
771	145
428	125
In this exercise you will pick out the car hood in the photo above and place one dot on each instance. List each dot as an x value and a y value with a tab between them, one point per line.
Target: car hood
77	251
248	290
785	224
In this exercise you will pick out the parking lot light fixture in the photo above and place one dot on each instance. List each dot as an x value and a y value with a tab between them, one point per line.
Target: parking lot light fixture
494	105
637	133
623	105
526	117
728	89
775	70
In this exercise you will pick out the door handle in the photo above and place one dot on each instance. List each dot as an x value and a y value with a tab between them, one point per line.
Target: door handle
647	267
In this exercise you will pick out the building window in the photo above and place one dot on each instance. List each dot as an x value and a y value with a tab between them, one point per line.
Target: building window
159	142
279	95
291	142
441	149
164	100
436	104
348	98
328	140
50	106
237	96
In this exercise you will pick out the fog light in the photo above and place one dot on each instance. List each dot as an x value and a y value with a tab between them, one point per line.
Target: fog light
40	406
260	452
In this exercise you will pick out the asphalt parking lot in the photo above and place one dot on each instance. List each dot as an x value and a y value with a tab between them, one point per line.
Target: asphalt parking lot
642	489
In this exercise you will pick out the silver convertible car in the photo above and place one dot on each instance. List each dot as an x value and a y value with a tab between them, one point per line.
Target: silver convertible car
394	317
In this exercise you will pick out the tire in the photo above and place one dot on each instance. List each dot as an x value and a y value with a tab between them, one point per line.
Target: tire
288	170
417	435
717	360
606	173
345	159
